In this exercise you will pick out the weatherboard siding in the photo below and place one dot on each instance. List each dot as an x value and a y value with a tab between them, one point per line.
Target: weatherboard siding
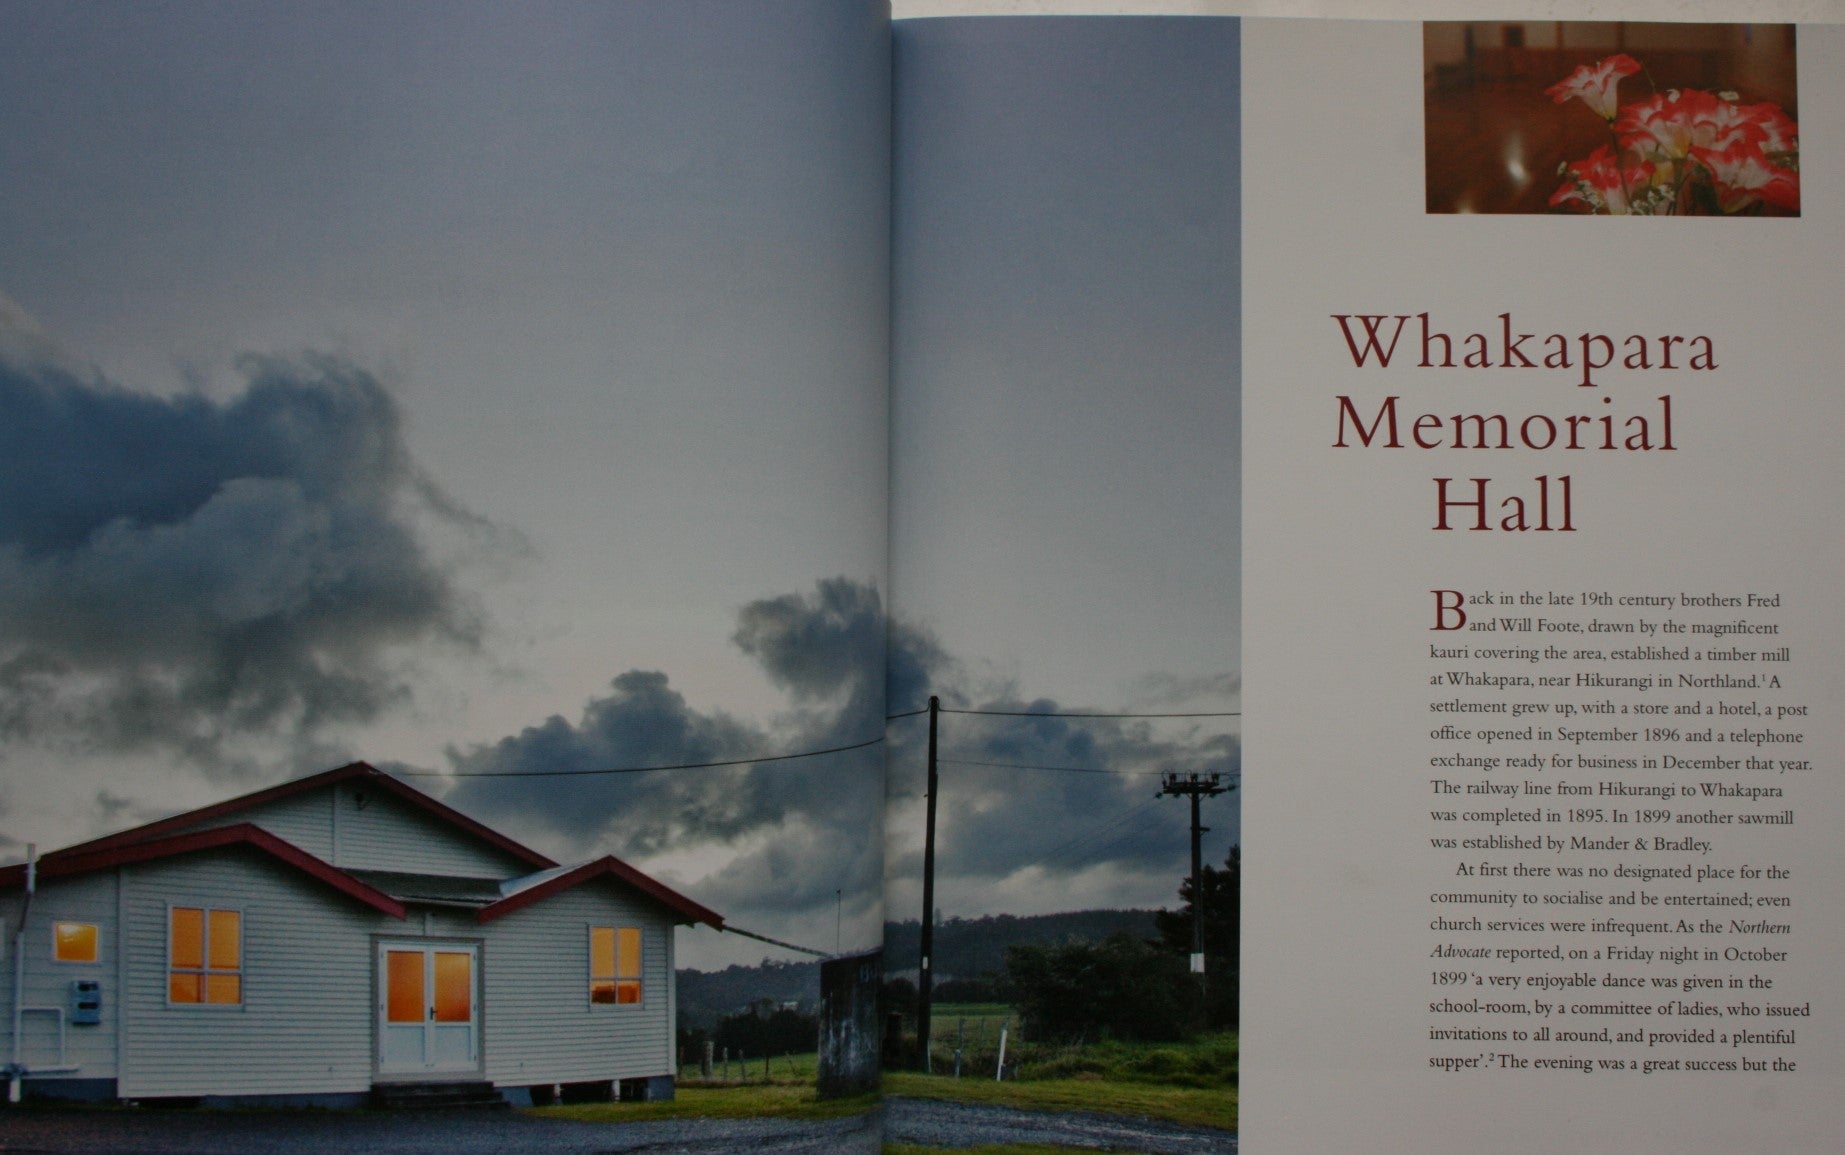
357	826
388	833
541	1026
305	1025
303	820
90	899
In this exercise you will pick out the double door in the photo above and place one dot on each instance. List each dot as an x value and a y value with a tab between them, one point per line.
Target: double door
428	1008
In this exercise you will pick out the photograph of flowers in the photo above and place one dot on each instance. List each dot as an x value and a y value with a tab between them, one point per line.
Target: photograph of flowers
1609	118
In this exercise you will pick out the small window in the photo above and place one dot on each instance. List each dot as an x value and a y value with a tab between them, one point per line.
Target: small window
204	956
73	942
615	964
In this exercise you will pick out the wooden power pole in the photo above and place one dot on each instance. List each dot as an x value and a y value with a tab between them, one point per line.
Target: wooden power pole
1197	787
924	999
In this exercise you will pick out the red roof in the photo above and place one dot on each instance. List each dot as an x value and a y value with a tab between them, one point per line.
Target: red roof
356	771
66	862
168	837
607	866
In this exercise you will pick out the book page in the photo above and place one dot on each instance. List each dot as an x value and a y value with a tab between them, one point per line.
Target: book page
1064	578
1542	645
496	396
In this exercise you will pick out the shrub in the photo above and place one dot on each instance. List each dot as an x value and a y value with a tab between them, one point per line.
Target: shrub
1121	988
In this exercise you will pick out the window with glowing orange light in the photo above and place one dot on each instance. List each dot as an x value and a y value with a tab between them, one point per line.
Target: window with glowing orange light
615	964
74	942
204	956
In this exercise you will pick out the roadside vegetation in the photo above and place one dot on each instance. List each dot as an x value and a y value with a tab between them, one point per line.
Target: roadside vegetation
1193	1081
778	1100
1181	1083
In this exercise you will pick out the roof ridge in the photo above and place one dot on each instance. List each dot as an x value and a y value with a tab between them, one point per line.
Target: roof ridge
211	838
161	827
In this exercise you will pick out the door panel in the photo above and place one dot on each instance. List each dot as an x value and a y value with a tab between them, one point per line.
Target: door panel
428	1018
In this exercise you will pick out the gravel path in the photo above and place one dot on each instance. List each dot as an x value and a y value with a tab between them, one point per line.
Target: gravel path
256	1132
930	1122
943	1124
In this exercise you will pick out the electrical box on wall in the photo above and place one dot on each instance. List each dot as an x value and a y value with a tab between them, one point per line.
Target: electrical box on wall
85	1002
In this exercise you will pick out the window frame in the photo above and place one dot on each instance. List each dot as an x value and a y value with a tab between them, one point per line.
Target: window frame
205	971
615	978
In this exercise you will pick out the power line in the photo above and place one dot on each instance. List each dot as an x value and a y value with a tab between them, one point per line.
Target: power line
1087	714
1089	842
776	941
1088	845
637	769
1066	769
814	753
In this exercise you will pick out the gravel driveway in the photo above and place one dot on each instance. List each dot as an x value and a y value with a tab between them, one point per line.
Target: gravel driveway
943	1124
257	1132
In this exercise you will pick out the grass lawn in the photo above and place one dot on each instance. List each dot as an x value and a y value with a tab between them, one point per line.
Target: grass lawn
759	1100
1197	1106
974	1019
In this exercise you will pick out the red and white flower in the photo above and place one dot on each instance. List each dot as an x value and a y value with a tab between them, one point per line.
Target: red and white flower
1742	175
1600	184
1679	151
1779	132
1595	83
1672	123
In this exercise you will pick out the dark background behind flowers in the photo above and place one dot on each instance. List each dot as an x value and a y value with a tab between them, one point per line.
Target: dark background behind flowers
1493	140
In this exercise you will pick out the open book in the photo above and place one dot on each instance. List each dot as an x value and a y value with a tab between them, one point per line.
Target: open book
520	531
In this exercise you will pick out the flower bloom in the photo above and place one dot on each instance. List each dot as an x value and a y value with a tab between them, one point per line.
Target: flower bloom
1601	184
1778	131
1742	175
1672	123
1680	151
1595	83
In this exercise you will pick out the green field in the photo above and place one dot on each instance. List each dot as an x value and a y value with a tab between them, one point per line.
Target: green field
1188	1105
974	1028
741	1071
1192	1083
772	1100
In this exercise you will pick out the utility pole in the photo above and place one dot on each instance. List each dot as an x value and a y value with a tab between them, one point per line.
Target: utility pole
924	1002
1197	787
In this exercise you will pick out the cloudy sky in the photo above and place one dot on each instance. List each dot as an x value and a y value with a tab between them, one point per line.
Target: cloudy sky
479	391
1065	469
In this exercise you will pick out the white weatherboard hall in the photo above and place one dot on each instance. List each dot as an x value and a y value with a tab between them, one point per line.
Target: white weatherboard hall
329	940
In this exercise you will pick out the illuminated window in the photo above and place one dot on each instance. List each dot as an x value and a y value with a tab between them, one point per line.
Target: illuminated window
614	964
73	942
454	987
204	956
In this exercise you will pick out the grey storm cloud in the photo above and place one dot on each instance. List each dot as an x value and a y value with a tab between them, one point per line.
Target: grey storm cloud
825	650
177	572
814	647
1023	786
808	826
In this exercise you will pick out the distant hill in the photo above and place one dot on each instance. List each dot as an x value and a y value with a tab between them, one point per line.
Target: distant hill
964	948
707	996
971	947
